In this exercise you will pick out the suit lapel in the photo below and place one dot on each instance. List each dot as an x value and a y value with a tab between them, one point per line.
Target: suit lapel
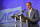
31	13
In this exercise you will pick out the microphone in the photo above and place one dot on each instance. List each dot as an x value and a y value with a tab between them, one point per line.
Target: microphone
23	10
20	12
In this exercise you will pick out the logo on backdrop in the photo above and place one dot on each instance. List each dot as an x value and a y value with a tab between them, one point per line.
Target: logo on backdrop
7	13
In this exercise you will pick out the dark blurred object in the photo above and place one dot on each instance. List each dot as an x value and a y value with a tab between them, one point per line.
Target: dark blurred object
15	16
23	10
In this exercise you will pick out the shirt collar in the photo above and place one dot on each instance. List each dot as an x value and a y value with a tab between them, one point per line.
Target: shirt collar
30	10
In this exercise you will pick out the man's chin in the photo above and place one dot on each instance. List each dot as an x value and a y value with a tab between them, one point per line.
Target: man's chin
28	8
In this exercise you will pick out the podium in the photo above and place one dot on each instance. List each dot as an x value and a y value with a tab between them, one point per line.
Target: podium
22	19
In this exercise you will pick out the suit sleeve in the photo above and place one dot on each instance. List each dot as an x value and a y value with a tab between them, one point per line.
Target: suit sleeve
36	17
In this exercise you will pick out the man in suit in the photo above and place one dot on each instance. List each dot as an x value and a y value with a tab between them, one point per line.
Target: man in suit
33	15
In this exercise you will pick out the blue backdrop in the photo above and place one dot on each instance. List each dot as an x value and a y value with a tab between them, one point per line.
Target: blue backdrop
9	7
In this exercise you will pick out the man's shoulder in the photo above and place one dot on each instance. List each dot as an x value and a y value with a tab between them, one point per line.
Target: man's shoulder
34	9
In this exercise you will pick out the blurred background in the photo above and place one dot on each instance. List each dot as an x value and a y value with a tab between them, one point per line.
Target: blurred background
9	7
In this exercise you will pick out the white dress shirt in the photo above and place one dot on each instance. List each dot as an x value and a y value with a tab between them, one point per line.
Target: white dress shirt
29	11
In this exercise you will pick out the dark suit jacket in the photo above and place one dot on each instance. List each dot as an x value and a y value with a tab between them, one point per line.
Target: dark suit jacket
34	18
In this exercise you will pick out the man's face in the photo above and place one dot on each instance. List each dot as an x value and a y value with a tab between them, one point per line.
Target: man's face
28	6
